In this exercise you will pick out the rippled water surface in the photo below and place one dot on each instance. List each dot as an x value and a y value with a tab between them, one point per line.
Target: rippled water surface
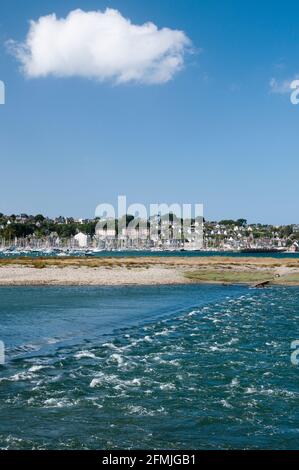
203	367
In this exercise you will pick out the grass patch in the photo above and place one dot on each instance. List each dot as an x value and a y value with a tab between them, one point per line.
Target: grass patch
234	277
40	265
288	279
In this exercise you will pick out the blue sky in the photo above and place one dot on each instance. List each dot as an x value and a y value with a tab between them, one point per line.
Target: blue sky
214	134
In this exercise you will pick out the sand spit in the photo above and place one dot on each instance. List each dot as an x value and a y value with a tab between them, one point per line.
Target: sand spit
148	271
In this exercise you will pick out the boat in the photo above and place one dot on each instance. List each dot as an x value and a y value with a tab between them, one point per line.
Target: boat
262	250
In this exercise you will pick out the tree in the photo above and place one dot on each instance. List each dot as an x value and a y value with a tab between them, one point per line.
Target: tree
227	222
241	222
39	218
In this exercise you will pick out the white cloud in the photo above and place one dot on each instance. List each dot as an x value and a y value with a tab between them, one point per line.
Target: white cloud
280	86
101	45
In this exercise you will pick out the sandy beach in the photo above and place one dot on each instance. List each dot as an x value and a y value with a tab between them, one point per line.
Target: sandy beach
148	271
22	275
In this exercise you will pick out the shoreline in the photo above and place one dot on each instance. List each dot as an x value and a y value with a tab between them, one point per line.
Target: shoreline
148	271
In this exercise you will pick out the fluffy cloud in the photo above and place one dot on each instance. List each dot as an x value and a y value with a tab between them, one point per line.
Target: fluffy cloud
103	46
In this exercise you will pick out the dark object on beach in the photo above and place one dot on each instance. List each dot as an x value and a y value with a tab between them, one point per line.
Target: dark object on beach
261	284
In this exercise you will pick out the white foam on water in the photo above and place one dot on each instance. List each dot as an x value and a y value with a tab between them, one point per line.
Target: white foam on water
191	314
174	362
148	339
102	379
117	358
140	411
232	341
53	340
111	346
250	390
12	441
58	403
134	382
225	404
95	382
164	332
94	401
37	368
17	377
235	382
171	362
168	386
84	354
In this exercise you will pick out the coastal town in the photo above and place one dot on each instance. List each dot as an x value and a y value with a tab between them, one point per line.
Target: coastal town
28	233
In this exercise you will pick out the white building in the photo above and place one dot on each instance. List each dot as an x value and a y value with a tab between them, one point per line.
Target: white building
81	239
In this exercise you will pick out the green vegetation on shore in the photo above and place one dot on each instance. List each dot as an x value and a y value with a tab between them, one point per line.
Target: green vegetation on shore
22	226
231	277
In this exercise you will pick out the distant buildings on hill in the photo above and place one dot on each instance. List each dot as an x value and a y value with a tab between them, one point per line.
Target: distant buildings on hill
160	232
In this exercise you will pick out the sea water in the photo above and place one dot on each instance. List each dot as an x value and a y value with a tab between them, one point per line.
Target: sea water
182	367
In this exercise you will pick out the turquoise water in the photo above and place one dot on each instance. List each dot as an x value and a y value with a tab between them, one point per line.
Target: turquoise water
202	367
135	253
